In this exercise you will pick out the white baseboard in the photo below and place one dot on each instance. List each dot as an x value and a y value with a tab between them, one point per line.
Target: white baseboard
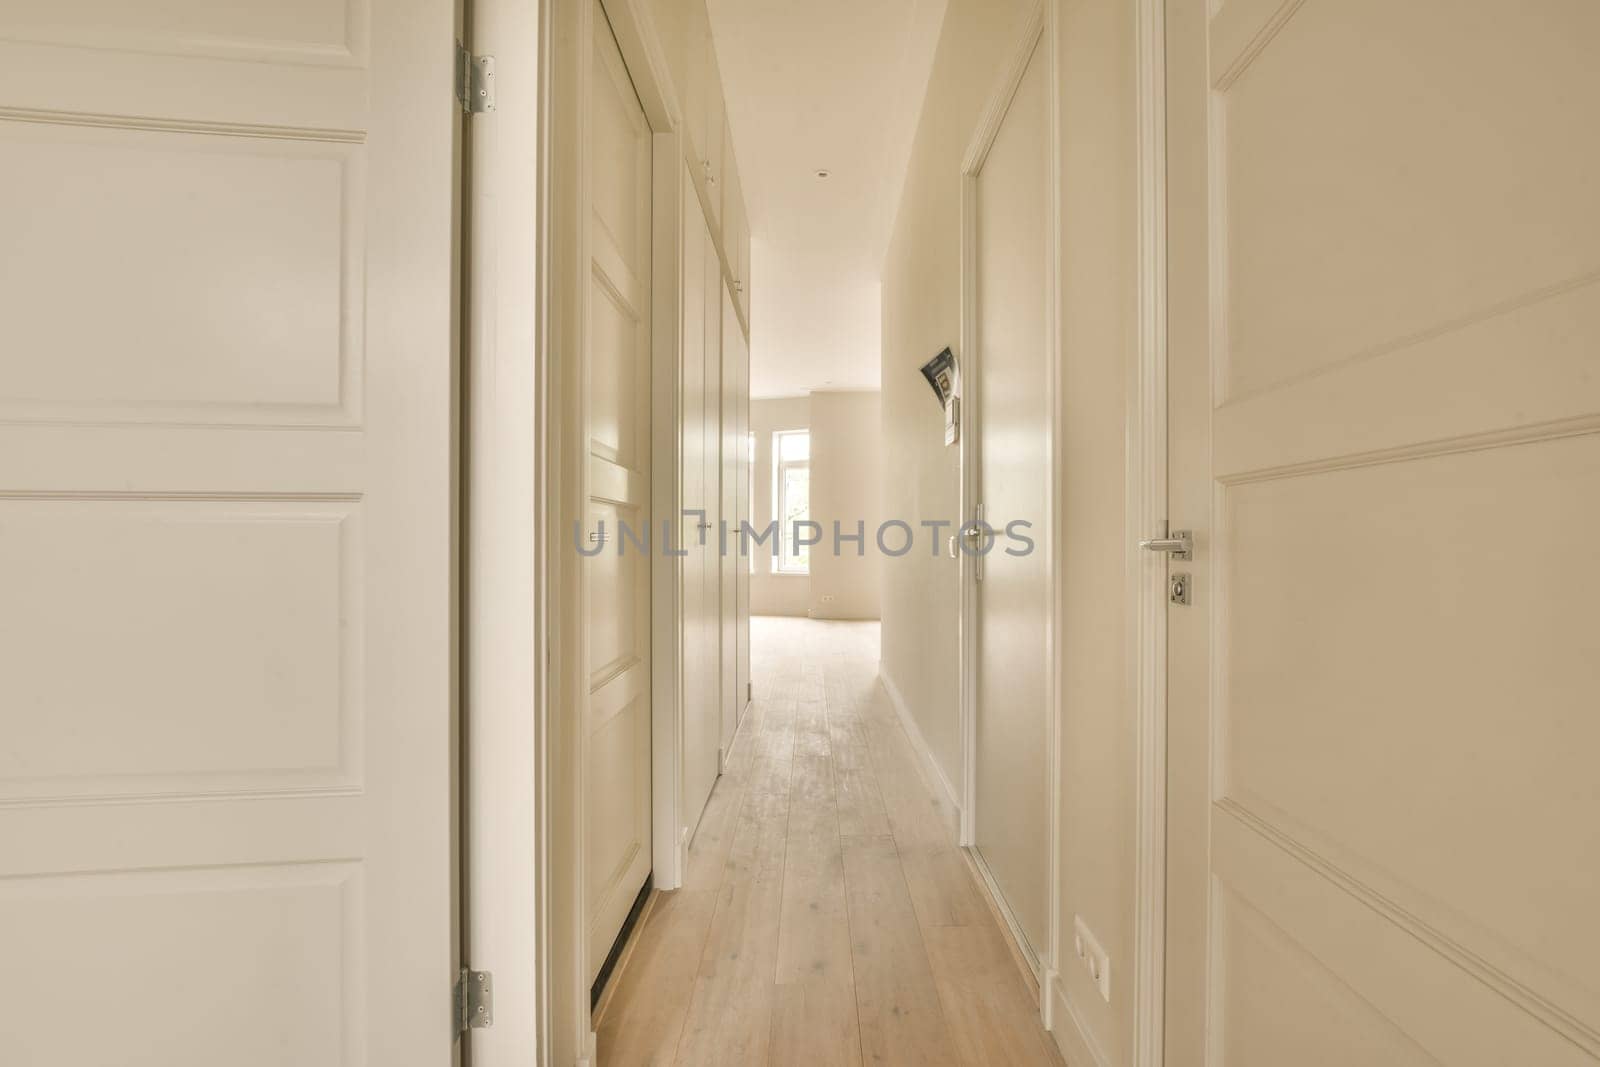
591	1051
1049	990
918	742
1072	1037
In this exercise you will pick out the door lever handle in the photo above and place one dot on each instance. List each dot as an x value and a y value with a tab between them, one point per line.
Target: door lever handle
1180	544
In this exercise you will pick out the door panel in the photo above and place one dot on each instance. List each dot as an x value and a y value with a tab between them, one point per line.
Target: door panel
1013	592
617	735
737	437
730	473
746	515
702	717
226	493
1384	322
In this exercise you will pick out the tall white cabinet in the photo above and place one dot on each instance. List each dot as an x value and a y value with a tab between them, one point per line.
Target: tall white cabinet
714	380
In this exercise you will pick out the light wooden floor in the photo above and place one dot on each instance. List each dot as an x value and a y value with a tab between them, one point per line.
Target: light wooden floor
827	917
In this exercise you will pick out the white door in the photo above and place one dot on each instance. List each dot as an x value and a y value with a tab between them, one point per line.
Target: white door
617	736
1385	427
702	716
1012	394
226	495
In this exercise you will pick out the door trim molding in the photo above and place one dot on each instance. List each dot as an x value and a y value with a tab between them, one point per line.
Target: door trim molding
567	273
1147	502
506	527
666	571
1038	30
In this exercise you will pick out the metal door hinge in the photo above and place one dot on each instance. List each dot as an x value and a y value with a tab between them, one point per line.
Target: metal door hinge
474	1000
474	81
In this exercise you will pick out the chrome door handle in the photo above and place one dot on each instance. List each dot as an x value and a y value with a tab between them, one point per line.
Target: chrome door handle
973	537
1180	544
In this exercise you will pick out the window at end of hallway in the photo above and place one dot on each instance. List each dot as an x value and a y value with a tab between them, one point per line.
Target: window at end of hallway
791	455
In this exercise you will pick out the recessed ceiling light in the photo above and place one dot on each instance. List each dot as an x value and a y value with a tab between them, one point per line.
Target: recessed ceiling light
824	174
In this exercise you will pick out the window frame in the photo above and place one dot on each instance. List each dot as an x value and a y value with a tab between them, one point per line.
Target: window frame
787	563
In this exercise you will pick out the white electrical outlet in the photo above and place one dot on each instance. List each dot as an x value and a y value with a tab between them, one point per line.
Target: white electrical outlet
1094	958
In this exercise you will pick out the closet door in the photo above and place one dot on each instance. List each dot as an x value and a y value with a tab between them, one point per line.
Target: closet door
617	411
731	472
702	718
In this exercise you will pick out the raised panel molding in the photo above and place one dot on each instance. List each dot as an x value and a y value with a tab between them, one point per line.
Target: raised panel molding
1320	890
1241	31
314	32
234	625
169	125
1279	1004
253	966
1302	219
1331	719
272	339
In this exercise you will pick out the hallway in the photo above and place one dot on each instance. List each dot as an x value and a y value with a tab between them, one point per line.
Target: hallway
826	917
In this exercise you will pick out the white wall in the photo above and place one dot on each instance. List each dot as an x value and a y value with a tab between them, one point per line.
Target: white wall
921	315
1098	345
846	488
772	593
846	485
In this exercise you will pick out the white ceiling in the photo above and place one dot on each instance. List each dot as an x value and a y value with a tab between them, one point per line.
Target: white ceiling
821	84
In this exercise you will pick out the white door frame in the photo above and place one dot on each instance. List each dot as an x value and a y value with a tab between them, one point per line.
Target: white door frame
1039	31
1147	509
506	320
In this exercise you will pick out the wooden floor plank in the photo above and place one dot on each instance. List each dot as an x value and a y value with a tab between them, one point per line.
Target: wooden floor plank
861	811
773	750
988	1007
729	1023
743	939
828	916
814	1025
708	851
897	1000
644	1020
942	887
814	930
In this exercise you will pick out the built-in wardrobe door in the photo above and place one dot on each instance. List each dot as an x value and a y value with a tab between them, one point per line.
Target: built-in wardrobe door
731	471
747	507
699	376
735	229
704	112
